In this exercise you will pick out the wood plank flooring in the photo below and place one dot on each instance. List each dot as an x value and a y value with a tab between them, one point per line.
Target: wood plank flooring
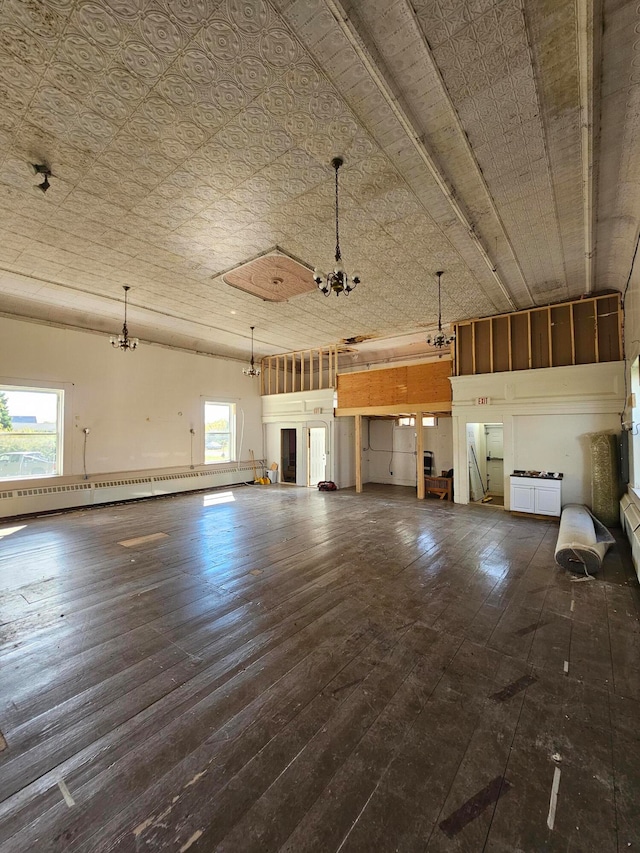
293	670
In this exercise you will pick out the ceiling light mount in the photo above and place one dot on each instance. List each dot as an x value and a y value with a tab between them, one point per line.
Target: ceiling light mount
253	370
123	341
45	171
337	281
440	340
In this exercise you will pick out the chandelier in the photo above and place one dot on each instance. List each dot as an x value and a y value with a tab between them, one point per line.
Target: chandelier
253	370
337	281
440	341
123	341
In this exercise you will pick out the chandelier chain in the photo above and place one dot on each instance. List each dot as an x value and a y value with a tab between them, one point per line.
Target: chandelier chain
336	281
338	255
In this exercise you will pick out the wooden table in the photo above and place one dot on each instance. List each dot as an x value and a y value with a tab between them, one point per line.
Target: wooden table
441	486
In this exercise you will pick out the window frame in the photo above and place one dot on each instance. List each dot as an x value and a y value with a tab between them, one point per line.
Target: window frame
63	420
232	433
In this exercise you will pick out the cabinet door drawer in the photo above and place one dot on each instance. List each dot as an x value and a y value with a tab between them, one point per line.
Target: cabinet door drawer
547	501
522	498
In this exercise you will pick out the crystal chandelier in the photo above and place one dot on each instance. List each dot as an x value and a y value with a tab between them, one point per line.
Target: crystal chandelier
253	370
123	341
440	341
337	281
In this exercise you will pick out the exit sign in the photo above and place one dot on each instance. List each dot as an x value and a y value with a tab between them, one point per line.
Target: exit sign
483	401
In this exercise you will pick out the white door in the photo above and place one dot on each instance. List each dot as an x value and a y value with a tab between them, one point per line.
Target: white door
317	455
495	464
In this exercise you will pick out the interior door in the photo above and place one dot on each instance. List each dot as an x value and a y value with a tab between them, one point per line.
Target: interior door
289	462
317	466
495	463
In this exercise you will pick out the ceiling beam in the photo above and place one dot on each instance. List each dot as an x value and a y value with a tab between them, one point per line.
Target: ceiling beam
351	33
589	35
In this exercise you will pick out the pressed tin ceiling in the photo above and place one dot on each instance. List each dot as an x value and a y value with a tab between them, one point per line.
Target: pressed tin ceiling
494	140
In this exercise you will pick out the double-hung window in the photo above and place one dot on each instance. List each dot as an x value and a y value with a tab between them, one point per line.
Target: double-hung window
30	432
219	432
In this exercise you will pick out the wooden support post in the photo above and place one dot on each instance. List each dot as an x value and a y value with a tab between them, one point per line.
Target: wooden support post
358	453
420	455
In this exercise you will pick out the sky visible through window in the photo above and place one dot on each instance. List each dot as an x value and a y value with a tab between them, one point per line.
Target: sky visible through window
41	404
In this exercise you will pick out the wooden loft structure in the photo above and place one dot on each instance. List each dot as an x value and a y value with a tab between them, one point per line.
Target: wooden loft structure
305	370
415	389
584	331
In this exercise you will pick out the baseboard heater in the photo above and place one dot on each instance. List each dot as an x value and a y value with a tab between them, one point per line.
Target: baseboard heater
630	521
33	500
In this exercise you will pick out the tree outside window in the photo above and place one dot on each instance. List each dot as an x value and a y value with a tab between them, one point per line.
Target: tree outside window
219	432
30	432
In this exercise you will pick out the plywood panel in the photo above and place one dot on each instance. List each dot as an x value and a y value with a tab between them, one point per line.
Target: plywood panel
482	346
429	383
401	386
540	338
520	341
464	338
585	331
500	344
608	329
561	336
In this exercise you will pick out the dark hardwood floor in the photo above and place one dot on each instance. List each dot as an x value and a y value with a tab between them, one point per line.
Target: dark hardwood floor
286	669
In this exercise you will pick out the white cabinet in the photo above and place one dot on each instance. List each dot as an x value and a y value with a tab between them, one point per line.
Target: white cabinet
539	495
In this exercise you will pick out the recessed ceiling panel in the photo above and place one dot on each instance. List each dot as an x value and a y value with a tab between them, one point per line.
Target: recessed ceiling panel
273	277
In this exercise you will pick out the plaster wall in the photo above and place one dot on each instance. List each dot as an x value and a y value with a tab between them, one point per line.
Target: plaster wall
301	410
547	416
139	406
390	453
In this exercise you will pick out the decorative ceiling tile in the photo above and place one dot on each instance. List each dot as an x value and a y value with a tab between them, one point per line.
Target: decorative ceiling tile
195	134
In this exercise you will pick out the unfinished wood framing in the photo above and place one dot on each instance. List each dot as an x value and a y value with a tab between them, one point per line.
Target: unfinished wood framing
303	370
419	455
584	331
358	453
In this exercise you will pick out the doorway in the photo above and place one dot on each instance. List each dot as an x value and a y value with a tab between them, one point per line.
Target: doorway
495	461
485	444
288	455
317	455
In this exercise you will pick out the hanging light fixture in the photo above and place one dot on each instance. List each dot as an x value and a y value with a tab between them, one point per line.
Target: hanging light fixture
440	341
337	281
123	341
253	370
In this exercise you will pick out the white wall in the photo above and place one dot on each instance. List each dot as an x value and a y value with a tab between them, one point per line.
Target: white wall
439	439
301	410
547	415
399	467
139	406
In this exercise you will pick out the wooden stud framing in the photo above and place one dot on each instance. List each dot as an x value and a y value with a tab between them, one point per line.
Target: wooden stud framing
490	344
420	455
477	361
358	453
473	348
573	335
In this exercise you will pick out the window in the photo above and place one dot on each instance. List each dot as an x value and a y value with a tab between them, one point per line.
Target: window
30	432
427	421
219	432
